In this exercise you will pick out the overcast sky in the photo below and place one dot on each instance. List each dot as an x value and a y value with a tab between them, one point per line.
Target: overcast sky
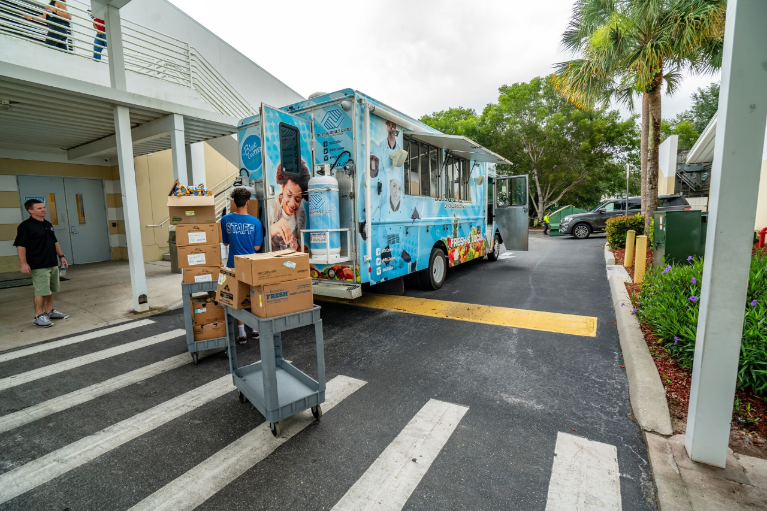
418	56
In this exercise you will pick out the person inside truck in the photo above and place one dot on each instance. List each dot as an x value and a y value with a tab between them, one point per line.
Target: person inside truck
287	212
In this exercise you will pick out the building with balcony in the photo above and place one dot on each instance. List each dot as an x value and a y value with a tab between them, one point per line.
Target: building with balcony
103	104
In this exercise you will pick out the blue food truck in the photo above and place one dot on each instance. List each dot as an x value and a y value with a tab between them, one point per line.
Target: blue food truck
374	195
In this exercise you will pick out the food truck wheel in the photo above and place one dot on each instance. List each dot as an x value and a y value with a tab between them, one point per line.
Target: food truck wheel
276	428
493	255
433	277
317	412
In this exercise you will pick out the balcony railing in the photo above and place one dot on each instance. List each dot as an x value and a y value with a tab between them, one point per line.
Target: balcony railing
147	52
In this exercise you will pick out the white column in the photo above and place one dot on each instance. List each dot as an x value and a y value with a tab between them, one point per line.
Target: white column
130	208
195	160
178	150
115	52
734	186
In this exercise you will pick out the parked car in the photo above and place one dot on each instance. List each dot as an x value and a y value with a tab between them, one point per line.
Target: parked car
582	225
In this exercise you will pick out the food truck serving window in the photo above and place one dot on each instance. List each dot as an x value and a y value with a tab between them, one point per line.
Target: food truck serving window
290	149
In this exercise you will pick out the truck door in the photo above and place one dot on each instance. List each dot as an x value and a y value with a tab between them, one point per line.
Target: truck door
511	209
287	163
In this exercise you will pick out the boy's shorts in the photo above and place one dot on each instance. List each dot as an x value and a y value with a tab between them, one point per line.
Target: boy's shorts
45	280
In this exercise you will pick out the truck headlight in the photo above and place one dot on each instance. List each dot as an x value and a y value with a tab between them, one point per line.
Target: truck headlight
567	220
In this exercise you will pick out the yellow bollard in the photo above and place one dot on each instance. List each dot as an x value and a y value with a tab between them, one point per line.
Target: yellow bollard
628	258
641	258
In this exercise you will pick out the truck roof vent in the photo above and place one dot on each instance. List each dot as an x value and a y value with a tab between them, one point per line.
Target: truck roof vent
316	94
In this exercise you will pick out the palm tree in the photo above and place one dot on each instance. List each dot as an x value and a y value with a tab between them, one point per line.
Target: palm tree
630	47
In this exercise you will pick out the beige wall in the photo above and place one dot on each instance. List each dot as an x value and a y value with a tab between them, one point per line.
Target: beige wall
154	178
761	202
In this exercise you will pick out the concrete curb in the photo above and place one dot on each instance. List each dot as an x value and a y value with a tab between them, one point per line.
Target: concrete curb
646	392
672	492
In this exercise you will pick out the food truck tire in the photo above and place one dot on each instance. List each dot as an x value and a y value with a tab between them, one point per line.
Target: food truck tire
433	277
493	254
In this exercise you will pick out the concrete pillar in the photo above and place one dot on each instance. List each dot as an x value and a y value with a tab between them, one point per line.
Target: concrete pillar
130	208
734	186
195	160
115	51
178	150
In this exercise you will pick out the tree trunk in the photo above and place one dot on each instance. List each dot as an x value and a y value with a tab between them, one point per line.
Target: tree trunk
643	150
653	145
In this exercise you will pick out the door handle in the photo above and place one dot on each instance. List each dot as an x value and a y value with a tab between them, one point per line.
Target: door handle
72	229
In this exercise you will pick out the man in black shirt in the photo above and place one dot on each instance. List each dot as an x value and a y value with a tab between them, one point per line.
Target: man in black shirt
39	255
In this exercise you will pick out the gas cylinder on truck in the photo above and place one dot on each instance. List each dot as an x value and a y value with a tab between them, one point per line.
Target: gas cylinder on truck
324	214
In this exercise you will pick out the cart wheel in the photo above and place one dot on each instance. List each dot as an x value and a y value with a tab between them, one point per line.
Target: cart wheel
195	357
317	412
276	428
242	397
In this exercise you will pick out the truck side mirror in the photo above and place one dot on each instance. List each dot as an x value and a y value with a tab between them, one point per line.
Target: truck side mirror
601	210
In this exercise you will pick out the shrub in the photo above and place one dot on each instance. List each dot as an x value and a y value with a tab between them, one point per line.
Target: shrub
668	303
618	227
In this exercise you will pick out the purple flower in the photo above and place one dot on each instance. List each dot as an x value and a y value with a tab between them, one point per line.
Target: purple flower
623	304
668	269
689	258
676	339
694	281
753	303
634	311
693	298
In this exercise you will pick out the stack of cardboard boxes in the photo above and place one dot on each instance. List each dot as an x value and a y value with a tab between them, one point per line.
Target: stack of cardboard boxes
276	283
198	239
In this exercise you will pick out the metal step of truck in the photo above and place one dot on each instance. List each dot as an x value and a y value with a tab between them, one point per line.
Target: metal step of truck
336	289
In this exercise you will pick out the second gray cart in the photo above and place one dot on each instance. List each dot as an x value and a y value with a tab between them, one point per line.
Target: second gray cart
275	387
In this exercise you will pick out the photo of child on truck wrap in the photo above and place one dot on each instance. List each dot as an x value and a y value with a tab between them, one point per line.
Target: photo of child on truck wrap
287	211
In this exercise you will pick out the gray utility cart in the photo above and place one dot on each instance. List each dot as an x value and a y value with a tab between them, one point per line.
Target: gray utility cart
187	290
275	387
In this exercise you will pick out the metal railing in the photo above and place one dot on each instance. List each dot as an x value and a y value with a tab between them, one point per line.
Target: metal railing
147	52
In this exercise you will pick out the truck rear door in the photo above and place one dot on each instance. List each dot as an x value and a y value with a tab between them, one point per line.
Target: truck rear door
511	197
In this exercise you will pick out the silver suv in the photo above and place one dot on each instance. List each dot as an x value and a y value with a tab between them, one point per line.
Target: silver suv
581	225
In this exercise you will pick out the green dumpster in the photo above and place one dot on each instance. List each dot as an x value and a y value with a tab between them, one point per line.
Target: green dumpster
556	218
678	235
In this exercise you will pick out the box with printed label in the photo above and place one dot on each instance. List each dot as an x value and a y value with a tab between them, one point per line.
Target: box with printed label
198	234
209	331
231	292
200	274
272	300
206	255
206	310
272	267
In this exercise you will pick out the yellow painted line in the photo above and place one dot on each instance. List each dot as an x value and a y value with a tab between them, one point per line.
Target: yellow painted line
486	314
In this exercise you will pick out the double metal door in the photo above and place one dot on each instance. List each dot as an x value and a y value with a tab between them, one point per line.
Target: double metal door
76	209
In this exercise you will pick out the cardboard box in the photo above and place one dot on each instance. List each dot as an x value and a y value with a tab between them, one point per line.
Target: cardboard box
205	310
272	300
206	255
231	292
198	234
253	207
209	331
200	274
191	209
272	267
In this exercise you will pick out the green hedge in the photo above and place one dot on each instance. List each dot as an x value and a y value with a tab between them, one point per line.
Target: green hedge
618	227
669	303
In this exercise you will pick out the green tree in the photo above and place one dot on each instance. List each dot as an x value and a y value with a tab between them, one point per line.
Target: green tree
454	121
681	126
562	148
629	47
705	103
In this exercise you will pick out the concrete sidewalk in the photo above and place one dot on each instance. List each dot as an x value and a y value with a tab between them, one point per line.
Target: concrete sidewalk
96	295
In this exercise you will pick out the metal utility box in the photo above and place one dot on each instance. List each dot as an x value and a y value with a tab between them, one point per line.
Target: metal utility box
678	235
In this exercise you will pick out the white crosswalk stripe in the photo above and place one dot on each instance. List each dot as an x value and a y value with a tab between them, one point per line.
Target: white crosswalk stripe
78	397
209	477
66	365
12	355
56	463
391	479
584	477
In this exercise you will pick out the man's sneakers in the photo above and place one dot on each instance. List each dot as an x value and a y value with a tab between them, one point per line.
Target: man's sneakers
43	321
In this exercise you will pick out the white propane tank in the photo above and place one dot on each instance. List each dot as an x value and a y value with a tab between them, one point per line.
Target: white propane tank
324	214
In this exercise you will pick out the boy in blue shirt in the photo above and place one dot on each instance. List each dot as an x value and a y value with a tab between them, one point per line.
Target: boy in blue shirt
243	234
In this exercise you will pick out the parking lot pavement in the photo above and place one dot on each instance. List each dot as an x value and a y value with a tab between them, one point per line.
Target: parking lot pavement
423	411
